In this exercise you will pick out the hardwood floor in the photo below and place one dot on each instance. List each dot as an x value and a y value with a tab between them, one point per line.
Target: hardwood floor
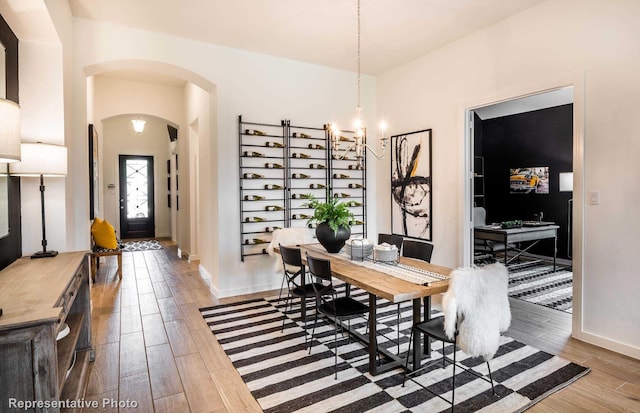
154	349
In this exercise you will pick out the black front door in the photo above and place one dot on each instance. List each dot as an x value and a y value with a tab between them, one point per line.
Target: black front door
136	197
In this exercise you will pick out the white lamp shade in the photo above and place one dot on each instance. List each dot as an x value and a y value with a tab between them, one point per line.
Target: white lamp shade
566	181
41	159
9	131
138	125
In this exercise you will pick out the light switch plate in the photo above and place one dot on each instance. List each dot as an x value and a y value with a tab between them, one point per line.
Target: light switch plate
594	198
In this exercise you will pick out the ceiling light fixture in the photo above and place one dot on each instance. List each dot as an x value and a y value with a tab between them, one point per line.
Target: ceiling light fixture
138	125
359	142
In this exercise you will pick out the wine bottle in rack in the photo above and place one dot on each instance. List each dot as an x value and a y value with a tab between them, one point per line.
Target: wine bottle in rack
273	144
357	222
353	186
344	139
301	216
252	176
354	203
315	146
316	166
251	154
300	176
272	186
301	135
254	219
254	241
273	208
340	176
269	165
355	167
253	198
317	186
271	229
341	195
301	196
254	132
300	155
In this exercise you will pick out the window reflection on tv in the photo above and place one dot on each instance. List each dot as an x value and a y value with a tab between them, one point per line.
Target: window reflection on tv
529	180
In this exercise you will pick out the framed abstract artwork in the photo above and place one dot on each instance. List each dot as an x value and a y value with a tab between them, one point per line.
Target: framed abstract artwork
411	201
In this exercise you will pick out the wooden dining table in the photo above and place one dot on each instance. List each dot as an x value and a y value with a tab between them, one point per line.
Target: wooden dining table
379	284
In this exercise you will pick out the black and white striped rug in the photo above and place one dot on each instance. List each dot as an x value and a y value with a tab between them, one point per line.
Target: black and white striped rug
538	283
283	377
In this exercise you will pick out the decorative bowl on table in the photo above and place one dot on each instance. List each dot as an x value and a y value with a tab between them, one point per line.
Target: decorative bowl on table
358	248
385	253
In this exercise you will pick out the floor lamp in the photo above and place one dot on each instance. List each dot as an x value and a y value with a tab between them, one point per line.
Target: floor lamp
40	160
9	136
566	185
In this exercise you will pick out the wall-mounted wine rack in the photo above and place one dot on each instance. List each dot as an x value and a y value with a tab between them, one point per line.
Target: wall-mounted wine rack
280	166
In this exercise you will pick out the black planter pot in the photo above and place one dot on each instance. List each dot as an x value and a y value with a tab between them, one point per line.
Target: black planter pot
331	241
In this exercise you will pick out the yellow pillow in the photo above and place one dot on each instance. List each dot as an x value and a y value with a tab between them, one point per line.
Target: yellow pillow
104	235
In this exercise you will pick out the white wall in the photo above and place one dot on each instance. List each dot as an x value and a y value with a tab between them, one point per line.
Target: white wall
261	88
42	120
554	40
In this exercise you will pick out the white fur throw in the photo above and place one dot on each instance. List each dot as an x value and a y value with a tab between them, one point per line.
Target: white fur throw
289	237
478	297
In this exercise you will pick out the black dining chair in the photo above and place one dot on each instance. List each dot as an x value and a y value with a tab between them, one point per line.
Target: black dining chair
476	311
391	239
329	304
417	249
294	275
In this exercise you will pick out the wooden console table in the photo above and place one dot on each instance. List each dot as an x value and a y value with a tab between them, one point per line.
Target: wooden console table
38	296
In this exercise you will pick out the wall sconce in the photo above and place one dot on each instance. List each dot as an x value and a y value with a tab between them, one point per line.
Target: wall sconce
138	125
9	131
41	159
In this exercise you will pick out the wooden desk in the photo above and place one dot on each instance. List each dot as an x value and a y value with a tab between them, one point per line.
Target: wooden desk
512	235
38	296
379	284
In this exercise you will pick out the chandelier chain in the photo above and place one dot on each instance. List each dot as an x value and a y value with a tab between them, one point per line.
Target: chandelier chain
359	55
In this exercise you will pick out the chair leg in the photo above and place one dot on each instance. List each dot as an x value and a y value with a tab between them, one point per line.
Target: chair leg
120	266
335	353
453	381
284	314
491	378
406	363
93	269
313	330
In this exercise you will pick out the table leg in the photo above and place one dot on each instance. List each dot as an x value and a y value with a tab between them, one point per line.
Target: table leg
506	249
555	251
373	347
417	356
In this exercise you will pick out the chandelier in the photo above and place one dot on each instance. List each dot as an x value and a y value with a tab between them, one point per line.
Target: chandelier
359	140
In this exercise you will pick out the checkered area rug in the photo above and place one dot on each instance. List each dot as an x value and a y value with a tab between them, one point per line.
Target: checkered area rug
283	377
144	245
537	282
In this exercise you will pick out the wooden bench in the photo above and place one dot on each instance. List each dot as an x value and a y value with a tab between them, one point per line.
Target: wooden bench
97	252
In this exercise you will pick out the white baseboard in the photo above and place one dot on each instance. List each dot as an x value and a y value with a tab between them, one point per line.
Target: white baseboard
609	344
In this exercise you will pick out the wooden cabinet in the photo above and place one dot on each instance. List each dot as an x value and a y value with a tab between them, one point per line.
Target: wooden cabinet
38	297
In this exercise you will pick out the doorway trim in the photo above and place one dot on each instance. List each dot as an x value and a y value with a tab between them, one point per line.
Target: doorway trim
576	80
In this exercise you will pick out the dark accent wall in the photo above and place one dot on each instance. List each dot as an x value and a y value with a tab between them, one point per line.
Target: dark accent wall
538	138
11	245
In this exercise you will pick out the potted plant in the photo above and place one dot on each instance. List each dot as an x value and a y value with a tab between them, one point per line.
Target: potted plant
334	222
